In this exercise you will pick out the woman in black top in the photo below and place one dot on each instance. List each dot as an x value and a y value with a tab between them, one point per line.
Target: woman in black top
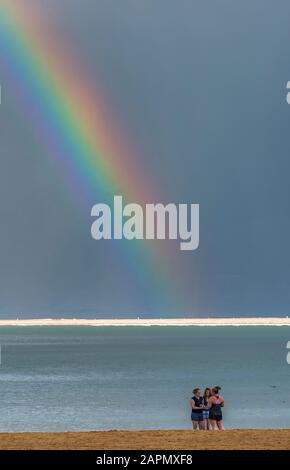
196	410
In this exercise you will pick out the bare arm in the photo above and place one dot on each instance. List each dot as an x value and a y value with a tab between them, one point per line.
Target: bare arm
209	403
195	407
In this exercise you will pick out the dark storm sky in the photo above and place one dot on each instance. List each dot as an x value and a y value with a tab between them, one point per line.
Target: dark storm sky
200	88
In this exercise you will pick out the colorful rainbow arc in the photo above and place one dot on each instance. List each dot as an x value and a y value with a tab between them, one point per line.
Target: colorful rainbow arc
75	123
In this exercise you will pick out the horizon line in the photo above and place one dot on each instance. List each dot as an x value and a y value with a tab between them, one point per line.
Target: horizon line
222	321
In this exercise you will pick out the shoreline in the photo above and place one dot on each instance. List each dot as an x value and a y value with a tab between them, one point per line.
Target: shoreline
248	321
238	439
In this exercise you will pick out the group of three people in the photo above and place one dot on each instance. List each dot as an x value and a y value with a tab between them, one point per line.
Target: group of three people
206	410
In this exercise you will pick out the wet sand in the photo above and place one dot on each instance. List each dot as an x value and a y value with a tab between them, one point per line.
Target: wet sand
246	439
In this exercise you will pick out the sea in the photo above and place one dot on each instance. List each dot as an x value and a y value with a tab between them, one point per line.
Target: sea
100	378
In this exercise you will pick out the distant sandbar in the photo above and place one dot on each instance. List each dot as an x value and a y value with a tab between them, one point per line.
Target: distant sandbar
258	321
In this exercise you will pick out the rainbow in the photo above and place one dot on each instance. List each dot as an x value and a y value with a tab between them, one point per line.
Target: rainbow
74	122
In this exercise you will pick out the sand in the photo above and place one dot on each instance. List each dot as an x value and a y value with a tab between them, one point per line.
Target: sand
150	440
258	321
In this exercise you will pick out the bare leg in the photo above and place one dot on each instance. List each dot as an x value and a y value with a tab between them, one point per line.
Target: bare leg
220	425
213	425
201	425
195	425
207	425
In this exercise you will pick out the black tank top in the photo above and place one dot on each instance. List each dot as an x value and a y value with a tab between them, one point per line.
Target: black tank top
216	407
197	402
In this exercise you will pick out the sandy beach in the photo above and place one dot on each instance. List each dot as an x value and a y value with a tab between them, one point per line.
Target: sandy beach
247	439
249	321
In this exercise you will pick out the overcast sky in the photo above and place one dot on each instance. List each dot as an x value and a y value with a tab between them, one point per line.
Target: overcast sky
199	87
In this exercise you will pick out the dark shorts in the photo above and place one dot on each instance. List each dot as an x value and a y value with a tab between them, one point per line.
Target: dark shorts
215	417
196	416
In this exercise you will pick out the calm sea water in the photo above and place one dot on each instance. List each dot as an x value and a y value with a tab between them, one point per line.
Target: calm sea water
85	378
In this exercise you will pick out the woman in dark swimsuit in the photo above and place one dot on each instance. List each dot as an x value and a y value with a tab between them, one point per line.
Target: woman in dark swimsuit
215	404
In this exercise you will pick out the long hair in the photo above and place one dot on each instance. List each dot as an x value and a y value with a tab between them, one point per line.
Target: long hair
207	389
205	398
